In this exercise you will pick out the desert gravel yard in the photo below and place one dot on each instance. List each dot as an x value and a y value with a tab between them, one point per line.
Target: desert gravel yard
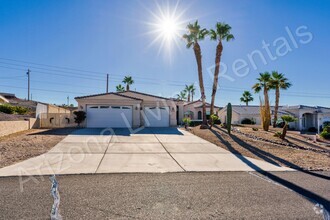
27	144
312	156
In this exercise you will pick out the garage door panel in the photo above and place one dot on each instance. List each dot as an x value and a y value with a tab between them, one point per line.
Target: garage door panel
156	116
109	116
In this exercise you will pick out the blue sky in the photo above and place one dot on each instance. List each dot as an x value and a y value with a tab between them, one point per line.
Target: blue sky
91	38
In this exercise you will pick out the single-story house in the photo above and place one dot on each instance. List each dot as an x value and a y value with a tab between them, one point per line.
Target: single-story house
308	116
133	109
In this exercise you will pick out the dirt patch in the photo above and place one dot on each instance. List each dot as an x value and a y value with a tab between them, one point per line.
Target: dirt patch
273	153
24	145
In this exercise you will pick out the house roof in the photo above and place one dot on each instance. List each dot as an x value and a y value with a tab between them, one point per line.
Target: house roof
199	103
316	108
141	93
109	93
255	110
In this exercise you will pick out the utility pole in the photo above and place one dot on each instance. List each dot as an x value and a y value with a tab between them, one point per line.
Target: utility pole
28	74
107	83
68	98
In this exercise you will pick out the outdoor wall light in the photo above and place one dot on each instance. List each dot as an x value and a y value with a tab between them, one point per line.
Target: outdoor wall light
141	108
136	108
172	109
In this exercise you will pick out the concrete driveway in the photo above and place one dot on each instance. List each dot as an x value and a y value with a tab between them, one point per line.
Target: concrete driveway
155	150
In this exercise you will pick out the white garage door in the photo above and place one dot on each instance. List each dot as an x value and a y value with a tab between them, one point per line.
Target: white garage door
157	116
106	116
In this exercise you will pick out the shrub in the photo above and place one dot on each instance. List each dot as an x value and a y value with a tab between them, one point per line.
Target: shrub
20	110
194	123
278	134
255	129
214	117
325	134
326	124
247	121
8	109
312	129
186	121
80	116
217	122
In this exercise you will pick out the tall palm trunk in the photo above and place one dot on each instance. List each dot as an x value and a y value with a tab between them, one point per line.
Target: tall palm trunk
267	119
188	96
216	74
192	97
277	100
127	87
247	103
198	56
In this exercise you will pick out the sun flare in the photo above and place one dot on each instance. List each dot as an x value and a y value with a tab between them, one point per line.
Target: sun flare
166	27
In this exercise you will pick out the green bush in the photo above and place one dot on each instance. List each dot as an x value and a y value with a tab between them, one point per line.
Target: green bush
325	134
255	129
80	116
278	134
186	121
20	110
217	122
9	109
326	123
194	123
247	121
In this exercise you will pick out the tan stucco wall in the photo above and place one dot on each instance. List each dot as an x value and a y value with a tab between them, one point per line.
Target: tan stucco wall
137	105
56	109
196	110
56	120
10	127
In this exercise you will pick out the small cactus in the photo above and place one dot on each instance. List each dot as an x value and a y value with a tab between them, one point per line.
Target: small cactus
229	115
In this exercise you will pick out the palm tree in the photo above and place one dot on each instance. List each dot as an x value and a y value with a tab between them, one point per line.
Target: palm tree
192	92
265	85
128	81
195	34
287	119
120	88
182	95
246	97
190	89
221	33
278	82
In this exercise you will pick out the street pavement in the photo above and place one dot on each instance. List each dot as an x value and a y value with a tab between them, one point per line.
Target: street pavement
186	195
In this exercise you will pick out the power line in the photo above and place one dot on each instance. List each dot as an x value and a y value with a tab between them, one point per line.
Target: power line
78	75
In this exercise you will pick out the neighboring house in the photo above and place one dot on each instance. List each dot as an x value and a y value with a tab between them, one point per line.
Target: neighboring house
194	109
3	99
13	100
134	109
308	116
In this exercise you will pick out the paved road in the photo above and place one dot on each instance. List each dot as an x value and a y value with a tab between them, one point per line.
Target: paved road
215	195
155	150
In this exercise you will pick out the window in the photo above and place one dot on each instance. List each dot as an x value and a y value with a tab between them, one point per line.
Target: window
162	108
199	116
115	107
104	106
94	107
124	107
152	108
